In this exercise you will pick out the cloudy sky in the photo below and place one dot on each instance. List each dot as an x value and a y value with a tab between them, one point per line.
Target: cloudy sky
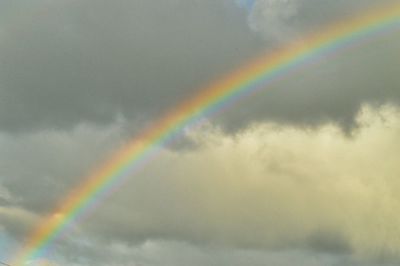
305	172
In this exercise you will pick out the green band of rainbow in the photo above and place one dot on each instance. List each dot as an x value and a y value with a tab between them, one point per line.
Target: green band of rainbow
214	97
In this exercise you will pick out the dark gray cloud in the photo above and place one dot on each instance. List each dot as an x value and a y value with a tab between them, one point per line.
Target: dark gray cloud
67	62
333	89
337	86
79	78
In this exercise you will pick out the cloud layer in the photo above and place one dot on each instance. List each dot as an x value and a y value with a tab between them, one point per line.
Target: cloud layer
271	186
66	62
268	187
273	180
69	62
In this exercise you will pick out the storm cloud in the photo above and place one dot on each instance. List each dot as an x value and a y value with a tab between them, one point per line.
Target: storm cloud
303	171
68	62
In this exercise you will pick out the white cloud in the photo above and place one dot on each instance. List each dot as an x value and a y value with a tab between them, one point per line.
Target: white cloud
5	194
285	20
270	186
272	18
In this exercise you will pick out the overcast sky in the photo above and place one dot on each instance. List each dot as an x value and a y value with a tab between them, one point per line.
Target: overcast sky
305	172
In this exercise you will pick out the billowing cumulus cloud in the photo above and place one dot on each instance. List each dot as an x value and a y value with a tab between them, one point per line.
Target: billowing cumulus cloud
304	171
271	186
268	187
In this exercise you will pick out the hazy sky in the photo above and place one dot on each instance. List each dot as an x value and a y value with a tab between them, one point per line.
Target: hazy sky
305	172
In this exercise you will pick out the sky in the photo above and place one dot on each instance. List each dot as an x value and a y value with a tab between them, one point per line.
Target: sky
304	172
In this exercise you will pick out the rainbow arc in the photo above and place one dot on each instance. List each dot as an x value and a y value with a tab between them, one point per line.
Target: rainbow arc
219	95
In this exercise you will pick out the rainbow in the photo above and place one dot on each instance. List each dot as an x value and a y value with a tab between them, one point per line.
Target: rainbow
213	98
